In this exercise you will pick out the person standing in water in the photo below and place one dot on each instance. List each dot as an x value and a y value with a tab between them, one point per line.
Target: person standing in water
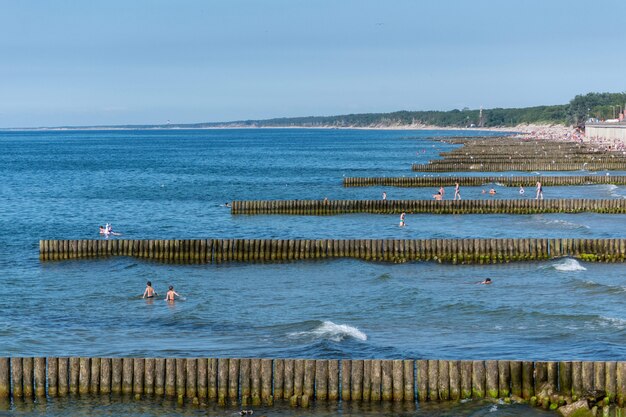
457	192
402	217
521	190
442	192
539	191
384	195
171	295
149	292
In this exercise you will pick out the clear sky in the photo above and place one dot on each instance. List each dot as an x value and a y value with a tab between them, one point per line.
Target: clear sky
81	62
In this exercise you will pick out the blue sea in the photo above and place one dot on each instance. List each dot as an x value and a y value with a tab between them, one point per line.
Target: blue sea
165	184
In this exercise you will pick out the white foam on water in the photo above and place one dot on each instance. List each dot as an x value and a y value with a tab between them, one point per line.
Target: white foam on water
332	331
493	408
620	324
565	224
568	265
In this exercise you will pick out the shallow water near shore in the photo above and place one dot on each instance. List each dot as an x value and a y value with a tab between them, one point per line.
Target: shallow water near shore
173	184
148	406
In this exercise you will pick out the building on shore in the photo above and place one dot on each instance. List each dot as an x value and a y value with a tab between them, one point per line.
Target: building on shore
606	132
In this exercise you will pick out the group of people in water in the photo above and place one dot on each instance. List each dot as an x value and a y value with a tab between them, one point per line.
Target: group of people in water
457	196
107	230
457	193
150	292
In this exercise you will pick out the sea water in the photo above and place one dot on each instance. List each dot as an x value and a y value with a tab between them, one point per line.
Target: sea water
174	184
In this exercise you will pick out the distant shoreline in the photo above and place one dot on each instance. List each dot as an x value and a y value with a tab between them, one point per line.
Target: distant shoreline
514	129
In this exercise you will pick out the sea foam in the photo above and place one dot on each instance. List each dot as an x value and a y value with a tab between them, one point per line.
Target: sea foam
568	265
332	331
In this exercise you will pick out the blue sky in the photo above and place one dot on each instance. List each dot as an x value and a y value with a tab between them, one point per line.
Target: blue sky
148	61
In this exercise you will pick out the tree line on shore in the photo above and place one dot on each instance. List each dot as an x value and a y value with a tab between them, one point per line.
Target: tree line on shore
599	106
582	107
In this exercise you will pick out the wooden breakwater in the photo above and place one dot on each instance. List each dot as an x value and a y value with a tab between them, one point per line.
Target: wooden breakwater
514	154
232	381
555	165
489	206
515	181
461	251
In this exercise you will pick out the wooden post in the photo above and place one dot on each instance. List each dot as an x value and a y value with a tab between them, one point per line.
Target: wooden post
478	379
127	376
244	377
170	377
516	378
279	378
455	380
466	379
159	376
621	383
233	380
422	380
191	378
309	379
53	375
139	368
181	368
376	380
202	378
63	379
611	380
16	377
492	385
504	379
387	380
84	376
74	374
94	383
27	377
528	380
288	379
577	378
587	376
212	371
346	373
433	380
443	384
267	366
149	376
409	380
356	380
255	381
40	376
333	380
565	378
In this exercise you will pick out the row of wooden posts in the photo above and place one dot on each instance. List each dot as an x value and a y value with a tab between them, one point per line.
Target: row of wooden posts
300	381
386	250
516	181
488	206
512	154
556	165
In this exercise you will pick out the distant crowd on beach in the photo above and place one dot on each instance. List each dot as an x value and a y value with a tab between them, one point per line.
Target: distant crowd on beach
569	134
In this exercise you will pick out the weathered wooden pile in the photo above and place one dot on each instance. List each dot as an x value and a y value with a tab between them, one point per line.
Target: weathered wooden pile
300	381
510	154
458	251
476	181
491	206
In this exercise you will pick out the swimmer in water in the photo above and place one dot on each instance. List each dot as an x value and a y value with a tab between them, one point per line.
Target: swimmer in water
102	230
171	294
521	190
438	196
149	292
487	281
492	191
